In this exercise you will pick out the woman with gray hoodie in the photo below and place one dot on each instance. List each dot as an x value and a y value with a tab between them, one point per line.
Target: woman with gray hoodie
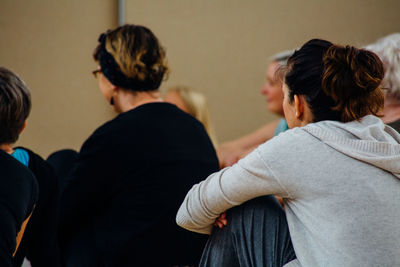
337	169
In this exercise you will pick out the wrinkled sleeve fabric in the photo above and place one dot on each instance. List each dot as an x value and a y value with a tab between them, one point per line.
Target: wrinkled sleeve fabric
251	177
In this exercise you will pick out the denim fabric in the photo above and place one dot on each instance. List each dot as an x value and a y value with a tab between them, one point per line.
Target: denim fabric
257	234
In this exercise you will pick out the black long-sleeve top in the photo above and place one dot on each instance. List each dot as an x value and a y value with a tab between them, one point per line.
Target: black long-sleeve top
40	242
18	196
131	176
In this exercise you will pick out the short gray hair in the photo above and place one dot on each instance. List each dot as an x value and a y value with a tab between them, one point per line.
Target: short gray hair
282	57
388	49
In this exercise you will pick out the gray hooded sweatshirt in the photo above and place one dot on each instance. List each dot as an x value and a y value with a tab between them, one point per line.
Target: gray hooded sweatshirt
340	183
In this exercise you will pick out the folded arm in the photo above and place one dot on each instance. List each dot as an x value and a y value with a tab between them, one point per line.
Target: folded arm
232	186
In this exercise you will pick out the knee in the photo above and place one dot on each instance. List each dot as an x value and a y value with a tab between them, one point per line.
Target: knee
265	208
264	202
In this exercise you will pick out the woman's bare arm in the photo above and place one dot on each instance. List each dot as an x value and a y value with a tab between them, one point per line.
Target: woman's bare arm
230	152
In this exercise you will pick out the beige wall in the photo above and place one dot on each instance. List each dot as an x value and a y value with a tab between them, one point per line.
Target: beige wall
219	47
50	43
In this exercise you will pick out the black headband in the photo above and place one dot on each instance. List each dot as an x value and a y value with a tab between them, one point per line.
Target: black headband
113	73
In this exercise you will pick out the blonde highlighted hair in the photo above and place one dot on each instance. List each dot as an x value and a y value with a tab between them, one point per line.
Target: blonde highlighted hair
131	57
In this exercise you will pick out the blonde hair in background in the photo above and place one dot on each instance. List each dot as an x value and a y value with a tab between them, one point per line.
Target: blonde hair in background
196	104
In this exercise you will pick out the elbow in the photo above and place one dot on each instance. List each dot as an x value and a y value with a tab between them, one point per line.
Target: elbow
183	221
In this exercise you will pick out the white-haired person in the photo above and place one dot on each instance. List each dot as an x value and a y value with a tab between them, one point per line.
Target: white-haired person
388	49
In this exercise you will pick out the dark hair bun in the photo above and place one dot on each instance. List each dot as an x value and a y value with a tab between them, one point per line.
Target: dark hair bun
352	77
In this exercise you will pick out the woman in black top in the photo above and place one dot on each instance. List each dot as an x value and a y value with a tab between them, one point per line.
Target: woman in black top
119	206
39	243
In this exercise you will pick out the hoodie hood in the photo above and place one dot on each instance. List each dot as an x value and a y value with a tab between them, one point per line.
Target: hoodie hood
368	140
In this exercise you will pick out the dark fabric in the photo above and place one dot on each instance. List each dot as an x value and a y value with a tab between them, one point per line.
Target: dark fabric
80	250
256	235
62	162
131	176
40	242
395	125
18	195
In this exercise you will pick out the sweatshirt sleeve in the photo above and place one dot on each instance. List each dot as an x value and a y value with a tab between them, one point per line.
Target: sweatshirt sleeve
251	177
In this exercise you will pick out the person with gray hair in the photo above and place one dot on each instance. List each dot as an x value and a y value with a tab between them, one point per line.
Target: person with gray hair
230	152
388	49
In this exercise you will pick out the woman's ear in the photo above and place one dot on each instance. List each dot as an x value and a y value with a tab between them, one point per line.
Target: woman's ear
114	90
302	110
299	106
114	87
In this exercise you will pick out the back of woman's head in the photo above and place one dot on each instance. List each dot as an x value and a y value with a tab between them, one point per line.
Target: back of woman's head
131	57
388	49
339	83
15	105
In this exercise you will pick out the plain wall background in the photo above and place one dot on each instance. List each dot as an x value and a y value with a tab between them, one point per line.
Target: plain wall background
218	47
